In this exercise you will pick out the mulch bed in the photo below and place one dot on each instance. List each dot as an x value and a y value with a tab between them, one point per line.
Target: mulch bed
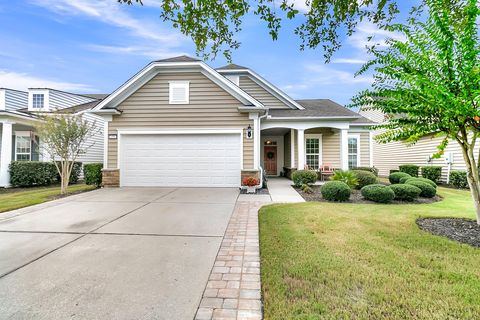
356	197
457	229
258	192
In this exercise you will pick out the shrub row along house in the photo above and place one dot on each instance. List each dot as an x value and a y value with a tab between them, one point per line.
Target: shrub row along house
21	110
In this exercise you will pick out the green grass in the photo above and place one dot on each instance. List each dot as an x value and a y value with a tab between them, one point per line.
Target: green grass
16	198
364	261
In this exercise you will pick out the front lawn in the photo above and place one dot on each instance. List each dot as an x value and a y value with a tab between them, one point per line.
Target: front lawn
16	198
366	261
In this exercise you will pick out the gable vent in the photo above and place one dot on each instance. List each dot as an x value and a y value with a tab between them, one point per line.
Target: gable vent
179	92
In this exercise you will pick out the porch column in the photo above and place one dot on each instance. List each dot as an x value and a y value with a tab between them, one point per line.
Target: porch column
256	140
6	153
370	147
344	148
301	149
292	148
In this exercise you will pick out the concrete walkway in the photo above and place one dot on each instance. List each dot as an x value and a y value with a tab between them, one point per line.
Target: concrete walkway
281	190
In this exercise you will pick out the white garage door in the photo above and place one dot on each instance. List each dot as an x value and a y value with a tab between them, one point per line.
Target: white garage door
187	160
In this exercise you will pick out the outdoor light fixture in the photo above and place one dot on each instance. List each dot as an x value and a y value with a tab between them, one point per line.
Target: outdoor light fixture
249	132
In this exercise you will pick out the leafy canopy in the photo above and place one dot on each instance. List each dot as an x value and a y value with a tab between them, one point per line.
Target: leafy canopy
213	25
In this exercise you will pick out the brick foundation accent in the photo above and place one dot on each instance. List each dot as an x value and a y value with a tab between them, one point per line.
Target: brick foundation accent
111	178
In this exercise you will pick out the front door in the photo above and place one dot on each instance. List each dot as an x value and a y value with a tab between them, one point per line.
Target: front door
270	160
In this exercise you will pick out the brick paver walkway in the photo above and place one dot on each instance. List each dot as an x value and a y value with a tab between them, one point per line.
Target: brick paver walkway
233	290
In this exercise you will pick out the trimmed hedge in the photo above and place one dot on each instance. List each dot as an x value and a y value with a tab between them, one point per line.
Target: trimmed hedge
433	173
458	179
393	171
430	182
369	169
411	169
75	174
364	178
336	191
396	176
427	191
404	179
301	177
32	173
405	192
378	193
92	173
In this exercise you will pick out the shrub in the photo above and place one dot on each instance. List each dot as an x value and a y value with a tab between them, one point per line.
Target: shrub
427	191
396	176
349	177
250	181
306	188
411	169
364	178
433	173
301	177
405	192
32	173
404	179
369	169
458	179
336	191
378	193
393	171
92	173
430	182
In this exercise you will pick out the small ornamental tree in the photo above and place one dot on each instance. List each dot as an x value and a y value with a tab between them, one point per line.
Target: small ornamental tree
64	138
429	82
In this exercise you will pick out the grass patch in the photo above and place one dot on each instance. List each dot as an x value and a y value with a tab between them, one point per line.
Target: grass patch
363	261
16	198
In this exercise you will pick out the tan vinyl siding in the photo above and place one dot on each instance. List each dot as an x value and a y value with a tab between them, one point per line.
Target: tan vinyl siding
364	149
287	151
210	107
259	93
331	149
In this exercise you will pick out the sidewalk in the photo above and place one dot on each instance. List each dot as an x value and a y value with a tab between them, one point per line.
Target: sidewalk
281	190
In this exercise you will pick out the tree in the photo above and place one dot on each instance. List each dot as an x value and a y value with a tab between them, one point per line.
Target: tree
64	138
214	24
429	82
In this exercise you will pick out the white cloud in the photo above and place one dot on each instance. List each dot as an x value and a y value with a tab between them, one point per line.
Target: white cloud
150	52
325	75
348	61
23	81
359	39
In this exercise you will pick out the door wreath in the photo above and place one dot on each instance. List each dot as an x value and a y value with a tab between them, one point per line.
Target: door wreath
270	155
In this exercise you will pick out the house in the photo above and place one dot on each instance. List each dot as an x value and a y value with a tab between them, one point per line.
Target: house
391	155
179	122
20	110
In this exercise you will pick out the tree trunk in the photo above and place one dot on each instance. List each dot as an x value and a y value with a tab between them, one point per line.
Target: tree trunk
64	177
472	178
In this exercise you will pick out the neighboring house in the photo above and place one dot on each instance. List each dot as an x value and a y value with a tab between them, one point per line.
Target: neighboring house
389	156
178	122
20	110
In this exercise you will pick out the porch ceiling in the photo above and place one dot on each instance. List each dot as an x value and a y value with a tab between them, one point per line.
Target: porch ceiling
275	132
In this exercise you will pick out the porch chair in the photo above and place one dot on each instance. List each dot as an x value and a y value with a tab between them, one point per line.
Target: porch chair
326	170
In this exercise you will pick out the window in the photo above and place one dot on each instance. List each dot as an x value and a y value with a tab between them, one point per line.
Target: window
23	146
179	92
353	151
313	151
38	101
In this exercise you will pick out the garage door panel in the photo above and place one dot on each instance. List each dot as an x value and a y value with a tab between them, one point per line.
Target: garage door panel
180	160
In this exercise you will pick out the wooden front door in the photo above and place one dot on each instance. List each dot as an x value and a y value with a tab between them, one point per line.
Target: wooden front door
270	160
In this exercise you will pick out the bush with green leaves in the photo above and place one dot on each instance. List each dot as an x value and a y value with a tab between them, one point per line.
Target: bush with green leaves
404	179
395	177
336	191
393	171
433	173
430	182
92	173
347	176
301	177
369	169
427	191
307	189
378	193
411	169
32	173
458	179
405	192
364	178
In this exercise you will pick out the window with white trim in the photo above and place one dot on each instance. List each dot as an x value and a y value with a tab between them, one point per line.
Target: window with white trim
353	151
313	150
179	92
38	100
23	147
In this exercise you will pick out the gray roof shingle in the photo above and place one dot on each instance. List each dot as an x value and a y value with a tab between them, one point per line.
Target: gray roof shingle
231	66
315	108
183	58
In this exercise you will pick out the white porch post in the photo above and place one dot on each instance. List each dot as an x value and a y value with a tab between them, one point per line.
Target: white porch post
6	153
292	148
370	147
344	148
301	149
256	140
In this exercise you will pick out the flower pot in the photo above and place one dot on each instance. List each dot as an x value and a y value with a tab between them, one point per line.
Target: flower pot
251	189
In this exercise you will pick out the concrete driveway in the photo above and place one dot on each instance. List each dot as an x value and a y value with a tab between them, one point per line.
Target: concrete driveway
129	253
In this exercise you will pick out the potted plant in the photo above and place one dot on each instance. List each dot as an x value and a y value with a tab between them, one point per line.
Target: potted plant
250	183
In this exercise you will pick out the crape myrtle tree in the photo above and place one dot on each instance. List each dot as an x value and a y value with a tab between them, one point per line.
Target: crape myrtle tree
64	137
213	25
429	82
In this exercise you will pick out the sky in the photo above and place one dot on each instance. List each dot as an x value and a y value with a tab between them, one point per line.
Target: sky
93	46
